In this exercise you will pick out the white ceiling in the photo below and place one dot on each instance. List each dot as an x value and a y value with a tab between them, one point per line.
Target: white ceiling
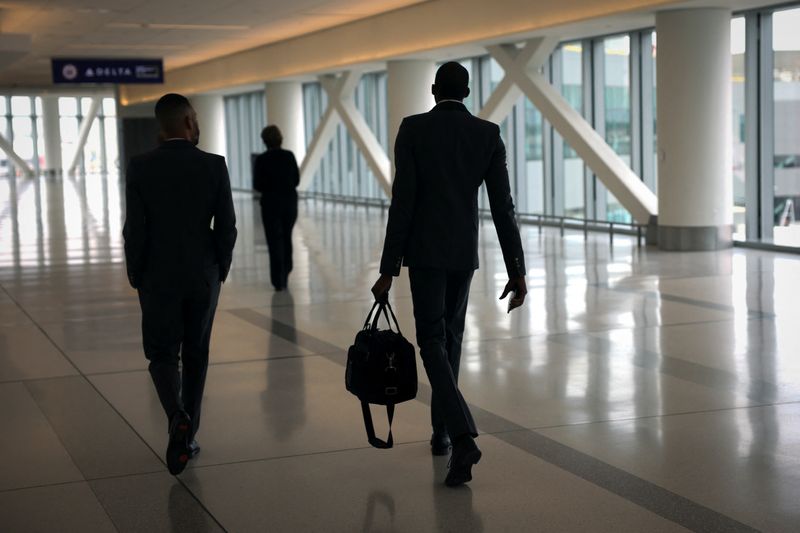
181	31
186	32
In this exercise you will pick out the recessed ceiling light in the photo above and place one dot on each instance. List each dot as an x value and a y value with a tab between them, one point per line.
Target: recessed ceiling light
157	26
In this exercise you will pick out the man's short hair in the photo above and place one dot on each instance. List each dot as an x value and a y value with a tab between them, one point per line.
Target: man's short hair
452	81
272	137
171	109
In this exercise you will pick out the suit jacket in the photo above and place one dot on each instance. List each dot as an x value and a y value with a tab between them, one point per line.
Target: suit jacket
276	176
180	225
442	157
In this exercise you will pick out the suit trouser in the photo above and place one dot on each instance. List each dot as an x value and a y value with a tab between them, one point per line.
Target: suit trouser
279	220
173	323
440	305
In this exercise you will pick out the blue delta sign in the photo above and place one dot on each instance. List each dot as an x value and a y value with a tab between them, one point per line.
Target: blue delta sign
120	71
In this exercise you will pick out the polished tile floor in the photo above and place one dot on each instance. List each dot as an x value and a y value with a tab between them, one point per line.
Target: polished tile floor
636	391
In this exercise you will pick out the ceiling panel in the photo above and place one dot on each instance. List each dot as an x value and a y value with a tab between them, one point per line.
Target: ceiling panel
196	30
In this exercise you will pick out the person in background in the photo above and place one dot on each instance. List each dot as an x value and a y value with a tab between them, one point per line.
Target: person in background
276	177
442	157
180	229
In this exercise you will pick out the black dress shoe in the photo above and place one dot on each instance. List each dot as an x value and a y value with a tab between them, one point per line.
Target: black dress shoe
178	448
465	454
440	444
194	449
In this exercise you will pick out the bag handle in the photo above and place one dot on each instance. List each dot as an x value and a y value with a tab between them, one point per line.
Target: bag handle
382	308
396	324
373	440
369	316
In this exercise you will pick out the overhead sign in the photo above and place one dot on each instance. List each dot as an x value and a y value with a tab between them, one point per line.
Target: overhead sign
85	70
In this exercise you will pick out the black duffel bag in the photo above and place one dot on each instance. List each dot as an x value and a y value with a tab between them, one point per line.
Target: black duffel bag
381	369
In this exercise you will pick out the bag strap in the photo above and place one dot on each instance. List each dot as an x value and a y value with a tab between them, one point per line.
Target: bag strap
396	323
373	440
369	316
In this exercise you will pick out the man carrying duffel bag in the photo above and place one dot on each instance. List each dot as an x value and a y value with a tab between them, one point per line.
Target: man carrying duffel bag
442	158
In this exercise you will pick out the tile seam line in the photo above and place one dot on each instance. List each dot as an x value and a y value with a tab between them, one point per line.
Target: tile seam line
113	408
603	484
220	364
30	394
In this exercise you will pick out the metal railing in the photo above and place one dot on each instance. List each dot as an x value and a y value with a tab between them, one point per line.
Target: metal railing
540	220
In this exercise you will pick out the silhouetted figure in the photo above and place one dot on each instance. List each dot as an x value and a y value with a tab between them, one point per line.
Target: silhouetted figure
442	157
276	177
179	232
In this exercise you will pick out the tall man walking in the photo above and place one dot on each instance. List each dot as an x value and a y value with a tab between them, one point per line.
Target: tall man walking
442	157
179	232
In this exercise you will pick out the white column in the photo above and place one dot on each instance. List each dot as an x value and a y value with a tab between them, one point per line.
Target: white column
408	92
53	164
694	129
211	116
285	110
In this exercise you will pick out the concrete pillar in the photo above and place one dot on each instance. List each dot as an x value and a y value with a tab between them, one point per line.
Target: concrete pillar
695	186
53	166
285	110
211	116
408	92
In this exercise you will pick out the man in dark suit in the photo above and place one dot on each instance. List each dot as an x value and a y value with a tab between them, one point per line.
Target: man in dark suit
180	229
442	157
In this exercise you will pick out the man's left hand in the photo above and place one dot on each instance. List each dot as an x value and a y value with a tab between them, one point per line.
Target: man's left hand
381	288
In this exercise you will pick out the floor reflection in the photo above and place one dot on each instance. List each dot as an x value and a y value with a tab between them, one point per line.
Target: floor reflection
681	369
284	398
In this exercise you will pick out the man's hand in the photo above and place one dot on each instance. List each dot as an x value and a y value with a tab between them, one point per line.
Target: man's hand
381	288
519	288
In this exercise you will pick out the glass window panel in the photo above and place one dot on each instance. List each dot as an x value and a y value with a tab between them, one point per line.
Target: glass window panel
93	150
617	110
22	127
67	106
109	107
23	146
245	117
5	166
738	44
786	79
572	90
86	103
40	141
38	106
21	106
3	106
531	190
470	101
112	145
653	52
69	135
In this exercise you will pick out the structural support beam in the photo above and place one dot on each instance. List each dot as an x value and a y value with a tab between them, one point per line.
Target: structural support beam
408	92
285	109
8	148
210	110
695	185
523	76
83	134
342	107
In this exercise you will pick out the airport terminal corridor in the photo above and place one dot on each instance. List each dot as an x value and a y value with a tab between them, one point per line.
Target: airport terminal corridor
636	390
